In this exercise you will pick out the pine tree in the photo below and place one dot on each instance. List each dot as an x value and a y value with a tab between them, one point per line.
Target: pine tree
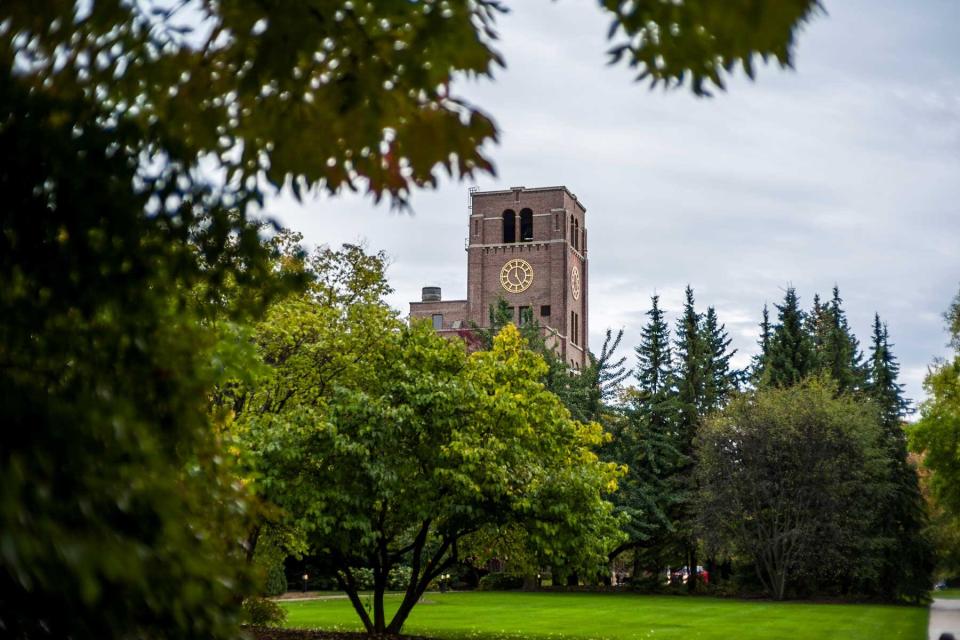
721	381
790	356
759	361
907	557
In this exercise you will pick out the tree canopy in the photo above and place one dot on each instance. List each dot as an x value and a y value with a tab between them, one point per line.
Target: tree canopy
937	433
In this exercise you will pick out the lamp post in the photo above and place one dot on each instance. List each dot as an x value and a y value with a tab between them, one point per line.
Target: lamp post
305	578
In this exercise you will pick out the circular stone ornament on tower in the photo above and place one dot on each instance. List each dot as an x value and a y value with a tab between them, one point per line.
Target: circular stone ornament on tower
575	282
516	275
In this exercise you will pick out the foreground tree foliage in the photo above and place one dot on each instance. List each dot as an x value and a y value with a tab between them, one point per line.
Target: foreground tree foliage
790	478
119	516
386	444
346	94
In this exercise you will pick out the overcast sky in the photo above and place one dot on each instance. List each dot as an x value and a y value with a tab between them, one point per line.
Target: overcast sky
846	171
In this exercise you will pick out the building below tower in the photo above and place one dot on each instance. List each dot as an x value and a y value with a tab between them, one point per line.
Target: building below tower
528	247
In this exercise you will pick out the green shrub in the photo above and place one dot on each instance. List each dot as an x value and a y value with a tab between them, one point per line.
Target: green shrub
262	612
398	578
276	581
363	578
500	582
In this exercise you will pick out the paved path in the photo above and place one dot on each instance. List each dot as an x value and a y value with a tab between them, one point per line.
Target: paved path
944	617
329	596
310	597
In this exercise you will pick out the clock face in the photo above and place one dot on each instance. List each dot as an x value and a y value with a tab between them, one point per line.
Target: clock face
516	275
575	282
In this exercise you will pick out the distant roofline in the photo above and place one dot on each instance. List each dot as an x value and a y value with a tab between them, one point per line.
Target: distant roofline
506	191
434	301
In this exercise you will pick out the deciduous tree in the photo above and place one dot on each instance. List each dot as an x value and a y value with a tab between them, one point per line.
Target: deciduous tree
427	445
789	477
937	432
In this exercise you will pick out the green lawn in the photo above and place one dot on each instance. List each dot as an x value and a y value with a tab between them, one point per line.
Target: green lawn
949	594
588	615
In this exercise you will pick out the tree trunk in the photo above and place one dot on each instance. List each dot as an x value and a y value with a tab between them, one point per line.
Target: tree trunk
349	586
726	569
692	569
573	580
781	583
379	586
400	617
252	538
419	581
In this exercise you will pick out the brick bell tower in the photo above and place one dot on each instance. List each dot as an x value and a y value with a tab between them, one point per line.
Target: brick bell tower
529	247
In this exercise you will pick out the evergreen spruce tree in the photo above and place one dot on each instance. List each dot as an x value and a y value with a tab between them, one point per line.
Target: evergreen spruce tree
690	367
907	557
500	315
654	365
759	361
593	393
690	374
721	381
790	356
882	385
818	324
840	356
645	440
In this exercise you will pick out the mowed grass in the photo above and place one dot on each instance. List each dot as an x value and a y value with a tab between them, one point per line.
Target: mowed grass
949	594
621	616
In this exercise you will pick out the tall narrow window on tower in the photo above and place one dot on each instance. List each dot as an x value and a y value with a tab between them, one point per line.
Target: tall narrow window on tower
573	238
509	226
526	316
526	225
